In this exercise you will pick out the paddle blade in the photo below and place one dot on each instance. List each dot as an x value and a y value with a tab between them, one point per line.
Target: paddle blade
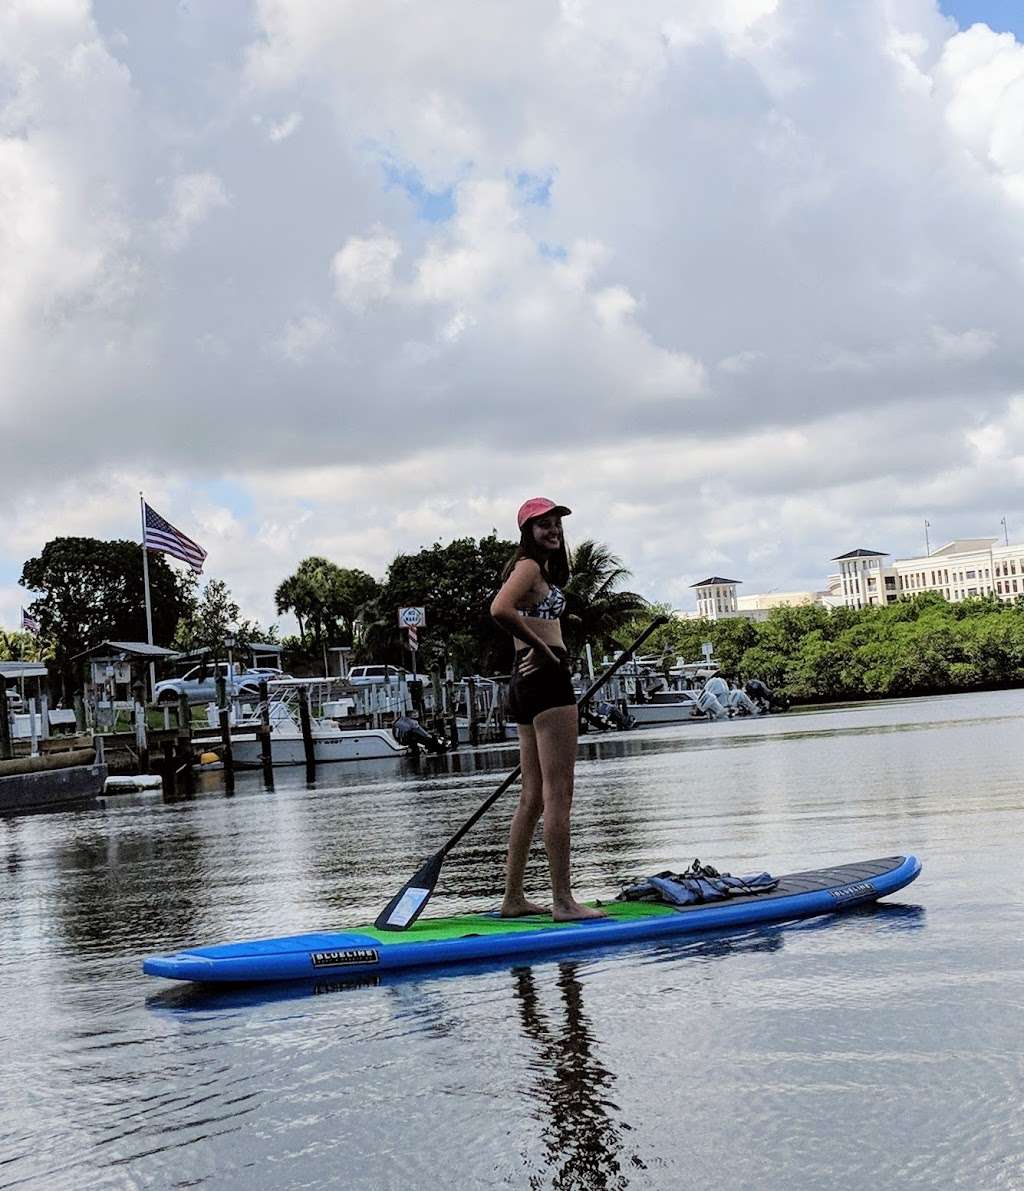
408	903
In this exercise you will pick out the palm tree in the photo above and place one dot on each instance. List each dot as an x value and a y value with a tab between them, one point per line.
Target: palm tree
595	610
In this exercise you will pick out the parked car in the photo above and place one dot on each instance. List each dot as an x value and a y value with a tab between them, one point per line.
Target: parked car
369	675
199	685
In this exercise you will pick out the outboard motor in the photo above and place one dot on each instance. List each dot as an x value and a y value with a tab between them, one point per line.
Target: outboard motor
740	703
765	697
708	703
407	731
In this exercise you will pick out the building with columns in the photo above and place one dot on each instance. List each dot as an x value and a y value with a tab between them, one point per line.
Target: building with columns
958	570
716	598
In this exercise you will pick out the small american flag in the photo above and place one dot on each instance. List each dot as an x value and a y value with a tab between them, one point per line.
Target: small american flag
161	535
29	623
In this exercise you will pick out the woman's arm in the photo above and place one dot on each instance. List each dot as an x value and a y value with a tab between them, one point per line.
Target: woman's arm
514	591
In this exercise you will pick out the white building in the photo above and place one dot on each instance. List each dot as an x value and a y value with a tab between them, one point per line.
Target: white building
960	569
717	600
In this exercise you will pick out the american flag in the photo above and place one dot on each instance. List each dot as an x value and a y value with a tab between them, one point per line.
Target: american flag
29	623
162	536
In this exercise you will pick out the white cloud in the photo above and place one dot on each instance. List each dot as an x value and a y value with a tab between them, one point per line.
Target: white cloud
363	269
193	198
302	336
283	129
726	275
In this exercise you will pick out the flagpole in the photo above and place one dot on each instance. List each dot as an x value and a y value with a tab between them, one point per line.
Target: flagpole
145	584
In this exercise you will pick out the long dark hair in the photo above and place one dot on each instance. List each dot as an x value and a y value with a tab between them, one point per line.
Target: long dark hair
554	566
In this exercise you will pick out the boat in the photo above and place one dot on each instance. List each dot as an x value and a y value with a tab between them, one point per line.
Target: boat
675	698
331	741
364	952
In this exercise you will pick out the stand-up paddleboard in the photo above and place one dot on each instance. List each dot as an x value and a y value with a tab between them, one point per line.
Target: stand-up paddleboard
430	942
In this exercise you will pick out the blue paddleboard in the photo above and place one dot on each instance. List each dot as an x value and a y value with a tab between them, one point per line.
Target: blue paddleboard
432	942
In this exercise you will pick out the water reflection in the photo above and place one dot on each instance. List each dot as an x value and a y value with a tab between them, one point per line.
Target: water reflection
584	1135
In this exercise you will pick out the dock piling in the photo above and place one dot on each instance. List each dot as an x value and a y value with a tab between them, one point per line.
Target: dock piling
184	744
224	719
168	768
6	745
266	750
141	739
452	710
474	723
307	731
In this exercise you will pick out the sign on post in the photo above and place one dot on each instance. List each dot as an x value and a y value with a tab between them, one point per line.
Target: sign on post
707	649
412	618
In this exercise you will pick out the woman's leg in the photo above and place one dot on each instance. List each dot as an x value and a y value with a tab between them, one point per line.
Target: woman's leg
524	824
555	731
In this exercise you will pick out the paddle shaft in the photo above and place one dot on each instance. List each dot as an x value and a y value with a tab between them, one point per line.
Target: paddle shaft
598	682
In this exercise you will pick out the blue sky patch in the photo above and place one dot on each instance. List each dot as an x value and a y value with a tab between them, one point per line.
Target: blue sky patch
435	206
534	189
1004	16
553	252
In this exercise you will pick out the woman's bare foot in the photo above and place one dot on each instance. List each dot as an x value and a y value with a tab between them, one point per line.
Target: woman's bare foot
520	908
572	911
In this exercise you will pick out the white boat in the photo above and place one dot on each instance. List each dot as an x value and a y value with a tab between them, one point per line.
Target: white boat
665	707
686	693
331	742
337	744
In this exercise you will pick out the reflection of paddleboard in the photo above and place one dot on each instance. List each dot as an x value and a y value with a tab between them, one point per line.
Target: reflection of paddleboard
440	941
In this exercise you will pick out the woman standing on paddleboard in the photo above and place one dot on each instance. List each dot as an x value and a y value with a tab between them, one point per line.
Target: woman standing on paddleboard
541	697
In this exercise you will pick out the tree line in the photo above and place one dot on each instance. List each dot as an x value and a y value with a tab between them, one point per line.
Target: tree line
88	590
917	646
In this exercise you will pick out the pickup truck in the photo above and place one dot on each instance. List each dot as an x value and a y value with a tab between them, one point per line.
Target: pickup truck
199	685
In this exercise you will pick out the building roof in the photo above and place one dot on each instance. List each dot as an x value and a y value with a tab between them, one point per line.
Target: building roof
715	581
23	670
127	649
964	546
861	553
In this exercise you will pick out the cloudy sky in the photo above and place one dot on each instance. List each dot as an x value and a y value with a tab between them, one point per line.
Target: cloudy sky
739	280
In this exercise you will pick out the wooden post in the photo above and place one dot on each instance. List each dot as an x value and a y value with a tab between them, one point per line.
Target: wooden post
452	709
184	743
6	744
224	719
307	730
33	728
99	744
141	740
169	775
80	723
266	751
474	726
44	718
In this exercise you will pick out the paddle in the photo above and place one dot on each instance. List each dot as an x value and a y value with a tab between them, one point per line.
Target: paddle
408	903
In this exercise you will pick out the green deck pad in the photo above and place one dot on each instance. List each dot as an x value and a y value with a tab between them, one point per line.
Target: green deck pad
430	930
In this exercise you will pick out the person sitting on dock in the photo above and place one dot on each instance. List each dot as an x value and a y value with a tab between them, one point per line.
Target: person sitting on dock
543	701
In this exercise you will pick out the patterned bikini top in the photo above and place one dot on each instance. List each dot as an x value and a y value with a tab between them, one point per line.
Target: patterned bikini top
550	607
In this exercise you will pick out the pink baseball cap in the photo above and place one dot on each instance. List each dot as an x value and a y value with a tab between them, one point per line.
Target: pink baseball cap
537	506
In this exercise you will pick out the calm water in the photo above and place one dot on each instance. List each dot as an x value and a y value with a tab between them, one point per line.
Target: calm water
882	1047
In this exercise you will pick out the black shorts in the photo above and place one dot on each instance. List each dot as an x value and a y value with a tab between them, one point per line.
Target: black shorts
548	686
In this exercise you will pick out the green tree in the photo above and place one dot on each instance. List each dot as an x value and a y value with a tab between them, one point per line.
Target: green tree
455	584
92	590
596	609
214	616
326	600
18	646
